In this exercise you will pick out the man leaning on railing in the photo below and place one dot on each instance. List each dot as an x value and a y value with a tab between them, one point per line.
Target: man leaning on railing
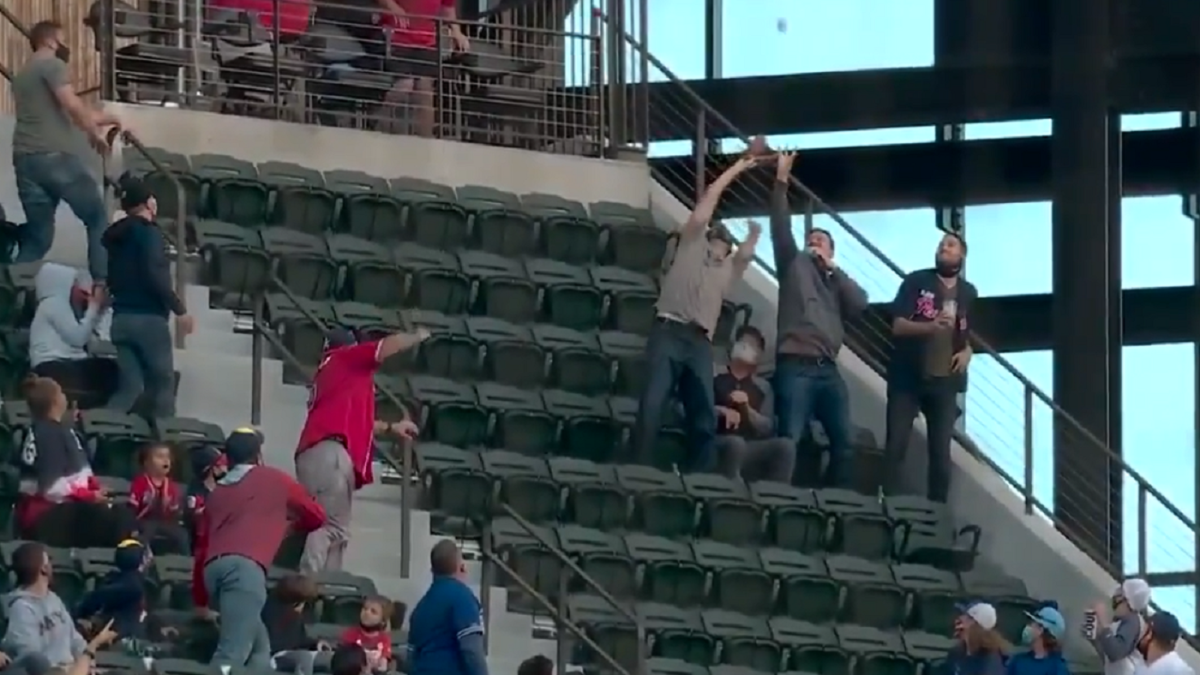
47	169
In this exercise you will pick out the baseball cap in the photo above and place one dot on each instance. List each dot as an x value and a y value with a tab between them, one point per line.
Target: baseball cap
1050	619
243	446
1136	592
339	337
980	612
129	555
204	458
134	192
1165	627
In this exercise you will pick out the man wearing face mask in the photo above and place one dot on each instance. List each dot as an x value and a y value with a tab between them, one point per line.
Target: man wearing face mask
1157	647
1116	641
679	349
816	298
139	283
930	320
47	169
745	421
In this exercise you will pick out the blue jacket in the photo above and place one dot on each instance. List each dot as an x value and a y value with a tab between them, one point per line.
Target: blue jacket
959	662
1026	663
139	274
445	631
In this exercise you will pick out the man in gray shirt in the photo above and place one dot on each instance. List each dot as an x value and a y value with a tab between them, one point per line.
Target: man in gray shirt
679	349
47	168
815	300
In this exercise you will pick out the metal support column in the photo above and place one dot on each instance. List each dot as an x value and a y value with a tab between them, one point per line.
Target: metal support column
1086	242
950	218
713	38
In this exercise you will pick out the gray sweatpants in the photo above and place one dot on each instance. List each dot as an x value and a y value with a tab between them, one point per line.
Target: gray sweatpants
325	470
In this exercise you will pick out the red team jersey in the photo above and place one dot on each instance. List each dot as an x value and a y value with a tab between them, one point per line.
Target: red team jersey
341	405
378	644
421	30
156	502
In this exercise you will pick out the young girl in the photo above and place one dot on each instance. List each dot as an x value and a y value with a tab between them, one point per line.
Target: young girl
157	503
373	632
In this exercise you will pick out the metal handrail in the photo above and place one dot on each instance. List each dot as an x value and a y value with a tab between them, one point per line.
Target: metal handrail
1031	391
180	194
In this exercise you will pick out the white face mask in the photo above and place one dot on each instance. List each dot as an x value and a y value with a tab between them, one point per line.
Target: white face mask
744	352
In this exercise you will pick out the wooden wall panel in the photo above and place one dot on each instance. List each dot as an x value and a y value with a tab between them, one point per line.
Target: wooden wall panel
14	49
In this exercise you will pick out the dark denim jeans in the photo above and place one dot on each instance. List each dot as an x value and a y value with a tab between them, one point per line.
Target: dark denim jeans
938	400
237	588
44	179
811	389
680	359
145	362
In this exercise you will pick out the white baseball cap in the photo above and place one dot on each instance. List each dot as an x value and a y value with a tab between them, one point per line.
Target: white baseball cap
980	612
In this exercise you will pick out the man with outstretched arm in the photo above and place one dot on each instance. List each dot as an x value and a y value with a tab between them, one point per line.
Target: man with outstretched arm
679	349
816	298
336	450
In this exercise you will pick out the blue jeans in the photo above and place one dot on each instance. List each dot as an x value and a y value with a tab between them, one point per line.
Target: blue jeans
145	363
808	389
237	590
680	359
44	179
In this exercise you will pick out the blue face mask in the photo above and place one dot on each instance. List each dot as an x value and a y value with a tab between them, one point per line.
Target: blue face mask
1027	635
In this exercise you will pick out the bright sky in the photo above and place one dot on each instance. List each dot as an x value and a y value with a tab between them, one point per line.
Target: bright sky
1158	381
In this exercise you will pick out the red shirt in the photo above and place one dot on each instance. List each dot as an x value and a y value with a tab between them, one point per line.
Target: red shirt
293	14
422	23
341	405
378	644
150	501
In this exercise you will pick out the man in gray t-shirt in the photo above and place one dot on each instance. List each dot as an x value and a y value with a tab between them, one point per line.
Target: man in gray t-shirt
45	141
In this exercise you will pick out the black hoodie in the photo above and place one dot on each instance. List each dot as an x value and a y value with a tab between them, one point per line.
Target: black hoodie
139	274
285	628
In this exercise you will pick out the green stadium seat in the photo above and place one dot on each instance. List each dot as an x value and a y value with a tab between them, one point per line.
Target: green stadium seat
299	197
518	418
94	563
390	403
451	353
434	279
603	557
510	355
806	592
160	184
588	428
14	363
577	363
629	237
302	262
871	596
730	515
498	225
608	627
16	293
934	595
172	577
670	450
529	558
927	650
371	274
668	570
231	190
303	337
733	316
795	522
14	421
115	486
449	411
524	483
593	498
444	331
631	298
861	528
743	640
369	322
115	438
875	652
661	505
119	662
660	666
234	261
569	298
499	287
628	352
341	595
455	483
736	577
1007	594
928	535
733	670
677	633
810	648
567	233
365	203
432	216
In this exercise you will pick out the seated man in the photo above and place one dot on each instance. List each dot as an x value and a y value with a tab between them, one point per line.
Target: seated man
60	332
745	445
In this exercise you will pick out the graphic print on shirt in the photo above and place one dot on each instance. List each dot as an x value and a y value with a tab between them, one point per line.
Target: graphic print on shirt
926	305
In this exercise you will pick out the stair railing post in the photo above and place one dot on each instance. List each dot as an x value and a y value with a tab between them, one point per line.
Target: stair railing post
256	362
406	489
1027	490
700	151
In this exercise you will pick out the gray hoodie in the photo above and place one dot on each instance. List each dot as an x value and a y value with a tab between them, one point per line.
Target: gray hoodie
56	333
40	624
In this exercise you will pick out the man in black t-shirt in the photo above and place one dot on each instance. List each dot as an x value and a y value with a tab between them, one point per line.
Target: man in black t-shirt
745	445
930	319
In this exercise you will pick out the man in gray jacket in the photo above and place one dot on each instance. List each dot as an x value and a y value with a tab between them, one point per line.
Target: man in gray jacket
816	298
41	633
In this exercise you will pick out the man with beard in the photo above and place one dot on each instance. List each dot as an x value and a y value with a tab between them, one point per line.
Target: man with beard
931	351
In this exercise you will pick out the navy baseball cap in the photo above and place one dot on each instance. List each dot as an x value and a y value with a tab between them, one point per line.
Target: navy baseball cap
204	458
1165	627
243	446
339	337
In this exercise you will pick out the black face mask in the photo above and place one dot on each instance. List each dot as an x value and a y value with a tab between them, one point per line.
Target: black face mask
63	53
947	269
